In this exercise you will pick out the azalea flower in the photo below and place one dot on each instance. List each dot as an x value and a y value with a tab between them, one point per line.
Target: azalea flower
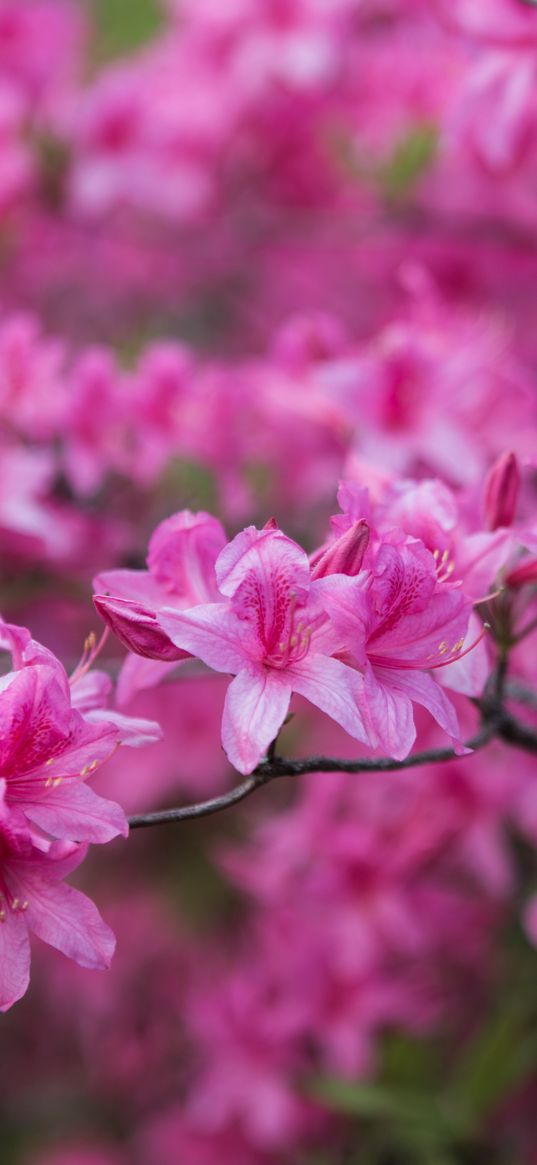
181	556
33	898
49	747
273	634
400	624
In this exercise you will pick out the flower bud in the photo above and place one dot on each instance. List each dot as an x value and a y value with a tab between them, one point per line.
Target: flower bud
137	628
525	573
345	555
502	485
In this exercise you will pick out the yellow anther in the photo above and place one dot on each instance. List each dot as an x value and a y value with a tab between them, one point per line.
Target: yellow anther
25	904
443	647
84	772
57	781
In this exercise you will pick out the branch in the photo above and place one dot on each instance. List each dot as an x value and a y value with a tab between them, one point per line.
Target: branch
277	766
513	732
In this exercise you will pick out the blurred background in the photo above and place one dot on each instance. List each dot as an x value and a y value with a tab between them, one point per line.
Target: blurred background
248	248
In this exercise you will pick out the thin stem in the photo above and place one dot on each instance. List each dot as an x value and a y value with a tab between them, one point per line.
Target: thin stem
527	630
513	732
275	767
202	808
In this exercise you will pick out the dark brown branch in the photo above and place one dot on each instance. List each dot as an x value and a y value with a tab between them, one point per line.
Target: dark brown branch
277	766
513	732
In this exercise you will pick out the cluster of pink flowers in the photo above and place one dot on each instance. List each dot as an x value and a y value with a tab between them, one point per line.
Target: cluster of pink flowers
282	251
56	732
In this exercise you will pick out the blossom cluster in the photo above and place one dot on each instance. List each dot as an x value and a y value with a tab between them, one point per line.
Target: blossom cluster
279	252
56	732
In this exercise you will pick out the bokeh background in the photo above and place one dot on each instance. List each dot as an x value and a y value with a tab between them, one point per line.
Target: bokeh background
248	247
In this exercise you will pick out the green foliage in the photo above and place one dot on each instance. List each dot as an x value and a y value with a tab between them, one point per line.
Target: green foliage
434	1103
123	25
409	161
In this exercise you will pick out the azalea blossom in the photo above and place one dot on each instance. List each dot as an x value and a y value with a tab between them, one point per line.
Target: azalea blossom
272	633
34	898
399	624
181	558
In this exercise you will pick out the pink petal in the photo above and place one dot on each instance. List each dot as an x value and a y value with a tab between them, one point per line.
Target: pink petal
390	713
255	708
136	585
423	689
211	633
91	690
182	554
75	811
334	688
64	918
35	719
133	731
469	674
138	673
14	958
267	554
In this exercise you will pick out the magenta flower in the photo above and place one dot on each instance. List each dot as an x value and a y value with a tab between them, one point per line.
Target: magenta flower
400	623
273	634
55	733
33	897
46	753
182	552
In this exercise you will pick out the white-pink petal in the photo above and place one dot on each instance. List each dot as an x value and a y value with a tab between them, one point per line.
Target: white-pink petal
255	708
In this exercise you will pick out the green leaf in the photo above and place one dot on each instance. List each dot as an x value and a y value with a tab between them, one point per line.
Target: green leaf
123	25
411	158
501	1056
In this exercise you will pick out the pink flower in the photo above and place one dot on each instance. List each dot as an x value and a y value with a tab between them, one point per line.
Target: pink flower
47	752
400	623
32	897
502	487
272	633
54	734
182	552
181	558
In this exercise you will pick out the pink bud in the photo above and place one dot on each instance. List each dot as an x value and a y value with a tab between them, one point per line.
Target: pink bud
345	555
501	491
137	628
525	573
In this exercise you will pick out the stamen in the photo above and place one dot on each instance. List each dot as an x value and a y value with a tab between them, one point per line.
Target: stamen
89	654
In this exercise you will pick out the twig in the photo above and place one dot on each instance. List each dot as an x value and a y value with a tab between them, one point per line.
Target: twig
276	766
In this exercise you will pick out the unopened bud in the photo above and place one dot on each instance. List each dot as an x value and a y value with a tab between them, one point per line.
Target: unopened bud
523	574
501	491
137	628
345	555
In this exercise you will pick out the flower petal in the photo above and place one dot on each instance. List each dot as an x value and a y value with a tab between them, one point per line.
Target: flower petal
254	711
334	688
390	712
210	632
14	958
423	689
64	918
75	811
